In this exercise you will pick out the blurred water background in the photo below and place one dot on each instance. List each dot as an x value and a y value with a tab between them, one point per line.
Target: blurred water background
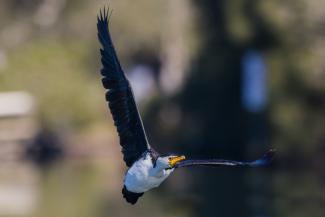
213	79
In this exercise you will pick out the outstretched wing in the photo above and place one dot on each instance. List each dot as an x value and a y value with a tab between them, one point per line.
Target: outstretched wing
120	97
266	159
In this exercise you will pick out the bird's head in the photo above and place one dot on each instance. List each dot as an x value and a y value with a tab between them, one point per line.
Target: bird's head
169	161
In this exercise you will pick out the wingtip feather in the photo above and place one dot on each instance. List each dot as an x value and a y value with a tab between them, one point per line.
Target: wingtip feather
266	159
104	14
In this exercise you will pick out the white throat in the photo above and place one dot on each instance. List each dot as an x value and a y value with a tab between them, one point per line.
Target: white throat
143	176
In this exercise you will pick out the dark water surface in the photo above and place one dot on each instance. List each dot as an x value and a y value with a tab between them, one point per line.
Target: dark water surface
69	190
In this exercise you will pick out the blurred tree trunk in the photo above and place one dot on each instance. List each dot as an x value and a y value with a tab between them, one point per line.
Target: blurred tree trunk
213	123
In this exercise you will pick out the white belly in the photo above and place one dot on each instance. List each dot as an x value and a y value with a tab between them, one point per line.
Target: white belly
142	177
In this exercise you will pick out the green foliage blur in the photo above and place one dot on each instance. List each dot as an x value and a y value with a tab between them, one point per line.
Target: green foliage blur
55	56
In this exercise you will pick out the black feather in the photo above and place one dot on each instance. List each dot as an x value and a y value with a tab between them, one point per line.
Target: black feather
265	160
129	196
120	97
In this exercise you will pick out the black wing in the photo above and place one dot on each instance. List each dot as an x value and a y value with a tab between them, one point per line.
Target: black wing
120	97
266	159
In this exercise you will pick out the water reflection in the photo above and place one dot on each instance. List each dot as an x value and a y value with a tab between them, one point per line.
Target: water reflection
71	188
299	193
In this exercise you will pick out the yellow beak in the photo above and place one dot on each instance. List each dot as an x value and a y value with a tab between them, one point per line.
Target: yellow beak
174	160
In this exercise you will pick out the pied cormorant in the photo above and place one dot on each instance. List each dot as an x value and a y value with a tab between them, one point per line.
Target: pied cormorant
147	168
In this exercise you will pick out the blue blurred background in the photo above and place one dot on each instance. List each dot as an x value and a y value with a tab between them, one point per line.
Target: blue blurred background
213	79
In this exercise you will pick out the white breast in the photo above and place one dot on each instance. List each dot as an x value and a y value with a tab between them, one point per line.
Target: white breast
142	176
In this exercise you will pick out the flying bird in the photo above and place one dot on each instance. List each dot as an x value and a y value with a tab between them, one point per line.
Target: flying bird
147	168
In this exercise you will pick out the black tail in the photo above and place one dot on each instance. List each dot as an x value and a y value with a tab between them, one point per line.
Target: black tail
129	196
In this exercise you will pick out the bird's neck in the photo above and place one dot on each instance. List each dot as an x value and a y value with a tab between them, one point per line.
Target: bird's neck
157	171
